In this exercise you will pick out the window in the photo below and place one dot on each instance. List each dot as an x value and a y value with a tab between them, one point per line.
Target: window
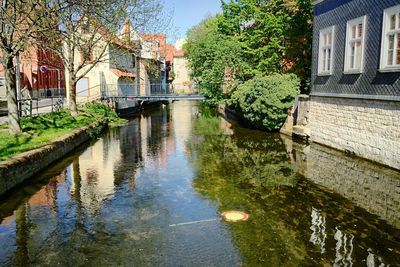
390	55
355	43
326	50
82	87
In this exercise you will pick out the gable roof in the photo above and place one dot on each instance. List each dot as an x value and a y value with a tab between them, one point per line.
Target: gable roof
180	53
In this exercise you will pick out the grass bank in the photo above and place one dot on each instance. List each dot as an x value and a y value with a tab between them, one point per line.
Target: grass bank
44	129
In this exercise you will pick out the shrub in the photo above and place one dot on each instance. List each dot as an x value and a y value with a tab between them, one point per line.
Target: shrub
263	101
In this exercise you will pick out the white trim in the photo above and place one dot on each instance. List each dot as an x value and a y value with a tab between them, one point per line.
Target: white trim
349	27
322	58
384	66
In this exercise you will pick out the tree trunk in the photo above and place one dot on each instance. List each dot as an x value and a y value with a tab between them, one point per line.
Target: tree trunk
12	103
72	96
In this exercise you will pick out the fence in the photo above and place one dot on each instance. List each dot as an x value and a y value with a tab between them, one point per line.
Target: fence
36	106
54	100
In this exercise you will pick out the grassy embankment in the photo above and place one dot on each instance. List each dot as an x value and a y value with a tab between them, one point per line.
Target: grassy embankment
41	130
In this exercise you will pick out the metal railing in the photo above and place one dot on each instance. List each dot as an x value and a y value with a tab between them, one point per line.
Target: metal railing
123	94
36	106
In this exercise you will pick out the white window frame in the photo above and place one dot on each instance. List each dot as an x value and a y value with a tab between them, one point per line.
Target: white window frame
321	59
350	41
384	66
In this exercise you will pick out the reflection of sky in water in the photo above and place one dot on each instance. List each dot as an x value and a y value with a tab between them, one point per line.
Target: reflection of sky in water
114	203
7	237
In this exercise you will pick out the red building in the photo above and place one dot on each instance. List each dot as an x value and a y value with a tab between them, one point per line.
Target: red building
42	73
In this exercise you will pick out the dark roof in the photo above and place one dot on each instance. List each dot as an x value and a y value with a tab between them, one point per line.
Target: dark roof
328	5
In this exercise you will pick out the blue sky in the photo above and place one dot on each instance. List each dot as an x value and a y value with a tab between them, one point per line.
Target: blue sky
188	13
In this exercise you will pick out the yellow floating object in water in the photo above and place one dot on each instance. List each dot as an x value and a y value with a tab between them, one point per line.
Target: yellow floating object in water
235	216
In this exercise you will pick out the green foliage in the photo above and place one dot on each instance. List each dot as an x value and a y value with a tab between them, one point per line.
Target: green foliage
43	129
210	53
264	101
260	29
250	171
299	42
251	38
153	68
172	75
275	35
246	162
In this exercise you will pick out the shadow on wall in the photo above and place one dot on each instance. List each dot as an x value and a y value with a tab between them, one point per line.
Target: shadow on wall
371	186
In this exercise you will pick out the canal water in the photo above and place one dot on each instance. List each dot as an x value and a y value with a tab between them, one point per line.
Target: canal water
151	193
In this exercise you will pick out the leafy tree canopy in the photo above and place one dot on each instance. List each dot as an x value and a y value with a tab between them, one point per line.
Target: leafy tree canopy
211	55
249	38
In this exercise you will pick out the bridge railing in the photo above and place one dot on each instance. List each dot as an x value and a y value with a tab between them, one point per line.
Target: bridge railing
153	89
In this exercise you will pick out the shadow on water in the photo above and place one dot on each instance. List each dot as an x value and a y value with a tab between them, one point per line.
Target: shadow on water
150	194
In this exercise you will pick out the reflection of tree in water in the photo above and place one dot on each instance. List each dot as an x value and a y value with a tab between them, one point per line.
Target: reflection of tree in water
248	163
22	236
131	153
234	172
289	225
157	123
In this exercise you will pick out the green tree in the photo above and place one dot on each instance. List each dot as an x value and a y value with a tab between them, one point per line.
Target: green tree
212	57
275	35
299	42
20	22
88	28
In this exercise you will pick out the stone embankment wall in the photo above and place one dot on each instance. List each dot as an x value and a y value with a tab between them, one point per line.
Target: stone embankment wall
23	166
298	118
366	128
371	186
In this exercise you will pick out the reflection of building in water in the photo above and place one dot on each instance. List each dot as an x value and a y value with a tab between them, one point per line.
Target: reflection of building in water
318	228
374	261
47	196
371	187
157	142
344	249
145	134
182	114
96	168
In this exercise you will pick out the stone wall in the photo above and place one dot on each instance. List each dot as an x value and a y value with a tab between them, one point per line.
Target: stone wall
371	186
366	128
23	166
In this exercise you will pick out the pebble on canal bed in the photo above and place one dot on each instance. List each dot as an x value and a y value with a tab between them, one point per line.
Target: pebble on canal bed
235	216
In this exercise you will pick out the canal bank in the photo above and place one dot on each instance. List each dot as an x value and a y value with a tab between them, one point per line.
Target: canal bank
23	166
151	192
17	169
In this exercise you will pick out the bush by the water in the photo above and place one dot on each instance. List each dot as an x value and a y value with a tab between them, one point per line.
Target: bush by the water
264	101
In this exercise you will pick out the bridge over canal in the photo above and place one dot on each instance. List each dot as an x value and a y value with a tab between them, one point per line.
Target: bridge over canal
159	97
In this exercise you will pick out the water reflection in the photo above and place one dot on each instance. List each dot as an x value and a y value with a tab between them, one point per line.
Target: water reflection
370	186
115	201
318	228
342	229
